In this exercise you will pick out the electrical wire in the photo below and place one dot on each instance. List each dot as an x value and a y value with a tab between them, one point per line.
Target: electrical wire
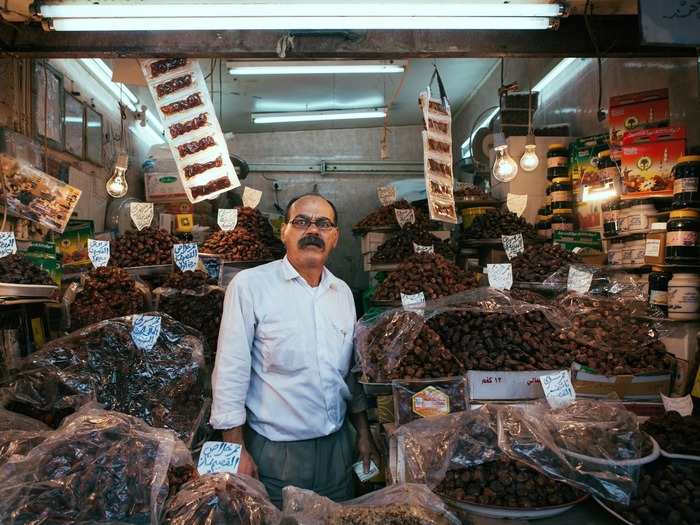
587	13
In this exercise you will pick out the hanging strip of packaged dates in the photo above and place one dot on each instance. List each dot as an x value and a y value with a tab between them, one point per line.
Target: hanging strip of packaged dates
191	127
437	157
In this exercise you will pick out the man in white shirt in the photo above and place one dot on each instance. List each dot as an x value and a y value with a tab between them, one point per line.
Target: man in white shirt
282	382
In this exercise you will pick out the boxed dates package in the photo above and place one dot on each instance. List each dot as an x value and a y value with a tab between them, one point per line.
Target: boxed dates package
634	111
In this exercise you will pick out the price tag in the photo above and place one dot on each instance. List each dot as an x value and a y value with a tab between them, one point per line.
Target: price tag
558	389
413	302
145	330
8	244
513	244
98	251
417	248
227	219
219	456
186	256
359	469
682	405
386	194
578	280
142	214
516	203
251	197
405	216
500	276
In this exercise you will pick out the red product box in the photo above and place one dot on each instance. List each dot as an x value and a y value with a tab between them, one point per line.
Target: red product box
648	157
637	110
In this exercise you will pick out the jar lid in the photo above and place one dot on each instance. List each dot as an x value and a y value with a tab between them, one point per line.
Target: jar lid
556	146
563	211
685	214
604	153
561	180
688	158
658	225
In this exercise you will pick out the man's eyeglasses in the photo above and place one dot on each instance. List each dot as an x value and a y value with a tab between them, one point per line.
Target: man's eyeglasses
303	222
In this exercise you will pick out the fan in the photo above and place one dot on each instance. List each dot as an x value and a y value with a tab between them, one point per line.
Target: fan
242	168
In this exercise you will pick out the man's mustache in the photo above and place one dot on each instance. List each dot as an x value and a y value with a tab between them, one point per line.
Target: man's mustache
312	240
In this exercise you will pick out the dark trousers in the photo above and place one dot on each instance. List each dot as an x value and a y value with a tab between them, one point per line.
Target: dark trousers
323	464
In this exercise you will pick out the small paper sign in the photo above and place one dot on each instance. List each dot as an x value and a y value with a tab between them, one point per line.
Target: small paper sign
516	203
414	301
141	214
219	456
500	276
578	280
405	216
251	197
558	389
98	251
417	248
186	256
8	244
145	330
359	469
682	405
227	219
386	194
513	245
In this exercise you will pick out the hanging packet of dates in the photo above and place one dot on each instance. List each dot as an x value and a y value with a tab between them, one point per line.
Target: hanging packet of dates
191	126
437	157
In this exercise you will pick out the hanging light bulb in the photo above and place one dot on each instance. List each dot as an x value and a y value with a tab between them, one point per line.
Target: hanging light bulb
504	168
529	161
116	185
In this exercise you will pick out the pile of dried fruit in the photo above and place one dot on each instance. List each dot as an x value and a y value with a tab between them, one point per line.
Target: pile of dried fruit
147	247
499	222
16	269
401	246
386	217
674	433
252	239
540	261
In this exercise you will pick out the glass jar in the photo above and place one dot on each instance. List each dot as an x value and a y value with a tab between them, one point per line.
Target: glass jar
655	251
686	178
611	217
561	194
562	220
544	229
636	245
557	156
548	200
615	251
684	297
658	288
682	237
638	215
557	172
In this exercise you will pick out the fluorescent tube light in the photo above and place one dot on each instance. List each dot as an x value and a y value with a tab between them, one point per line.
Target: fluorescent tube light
298	23
553	73
313	68
317	116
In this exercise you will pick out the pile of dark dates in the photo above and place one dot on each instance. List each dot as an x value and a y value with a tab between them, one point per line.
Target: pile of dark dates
15	269
540	261
500	222
385	217
237	245
401	246
252	220
675	433
148	247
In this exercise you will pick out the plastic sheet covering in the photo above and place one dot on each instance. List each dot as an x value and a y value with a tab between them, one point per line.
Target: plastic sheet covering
167	386
221	499
19	434
99	466
545	439
405	504
427	448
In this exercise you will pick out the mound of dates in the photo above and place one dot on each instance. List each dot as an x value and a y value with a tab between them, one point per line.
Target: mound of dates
147	247
15	269
540	261
402	246
675	433
499	222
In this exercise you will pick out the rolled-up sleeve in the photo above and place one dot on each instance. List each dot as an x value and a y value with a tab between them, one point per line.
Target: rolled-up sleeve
231	376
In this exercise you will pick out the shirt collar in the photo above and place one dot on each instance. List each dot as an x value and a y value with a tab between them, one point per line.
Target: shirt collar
328	280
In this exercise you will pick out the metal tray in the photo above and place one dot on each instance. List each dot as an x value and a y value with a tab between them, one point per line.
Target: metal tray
27	290
686	457
384	267
588	461
611	511
148	271
377	389
494	511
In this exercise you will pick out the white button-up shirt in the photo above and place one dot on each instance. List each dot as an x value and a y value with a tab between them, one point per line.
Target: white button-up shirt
284	352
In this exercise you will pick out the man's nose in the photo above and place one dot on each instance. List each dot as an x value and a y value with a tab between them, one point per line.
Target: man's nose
313	225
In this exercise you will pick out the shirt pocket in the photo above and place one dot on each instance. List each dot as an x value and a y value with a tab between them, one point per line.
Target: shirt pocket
280	347
341	346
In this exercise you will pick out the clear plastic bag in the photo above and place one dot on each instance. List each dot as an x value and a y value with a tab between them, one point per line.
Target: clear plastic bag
99	466
167	386
418	398
19	434
405	504
225	499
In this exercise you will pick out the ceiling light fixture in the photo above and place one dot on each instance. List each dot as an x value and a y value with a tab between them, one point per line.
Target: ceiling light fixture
504	167
318	116
314	68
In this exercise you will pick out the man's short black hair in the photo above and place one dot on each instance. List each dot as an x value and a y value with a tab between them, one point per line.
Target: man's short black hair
312	194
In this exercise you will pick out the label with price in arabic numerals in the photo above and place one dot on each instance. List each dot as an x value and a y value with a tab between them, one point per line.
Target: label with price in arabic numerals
186	256
8	244
145	330
386	194
219	456
558	389
516	203
485	385
227	218
500	276
251	197
513	244
98	251
417	248
578	280
682	405
405	216
141	213
414	302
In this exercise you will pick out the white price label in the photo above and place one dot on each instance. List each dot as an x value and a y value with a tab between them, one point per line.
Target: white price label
359	469
417	248
558	389
8	244
500	276
413	302
405	216
219	456
227	219
386	194
579	280
516	203
513	244
186	256
98	251
682	405
251	197
142	214
652	248
145	330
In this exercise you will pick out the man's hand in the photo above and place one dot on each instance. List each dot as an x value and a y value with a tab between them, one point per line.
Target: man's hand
246	465
366	450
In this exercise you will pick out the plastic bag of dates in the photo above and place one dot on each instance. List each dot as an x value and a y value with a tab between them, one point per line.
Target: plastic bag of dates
19	434
404	504
166	386
418	398
100	466
221	499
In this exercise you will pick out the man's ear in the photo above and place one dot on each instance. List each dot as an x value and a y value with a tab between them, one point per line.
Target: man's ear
283	231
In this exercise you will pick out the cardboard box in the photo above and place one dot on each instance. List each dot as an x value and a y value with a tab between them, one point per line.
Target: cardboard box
583	154
629	387
589	216
163	187
647	159
44	255
72	245
634	111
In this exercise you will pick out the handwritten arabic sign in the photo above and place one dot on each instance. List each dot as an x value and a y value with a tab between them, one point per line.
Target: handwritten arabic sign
505	385
141	213
417	248
500	276
673	22
219	456
386	194
682	405
251	197
513	244
578	280
558	389
98	251
8	244
227	219
145	330
186	256
413	302
404	217
516	203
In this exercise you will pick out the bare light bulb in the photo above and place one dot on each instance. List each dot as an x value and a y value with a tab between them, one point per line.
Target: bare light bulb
504	168
529	161
116	185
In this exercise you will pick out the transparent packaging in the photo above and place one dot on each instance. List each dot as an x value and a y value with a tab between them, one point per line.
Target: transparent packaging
419	398
19	434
